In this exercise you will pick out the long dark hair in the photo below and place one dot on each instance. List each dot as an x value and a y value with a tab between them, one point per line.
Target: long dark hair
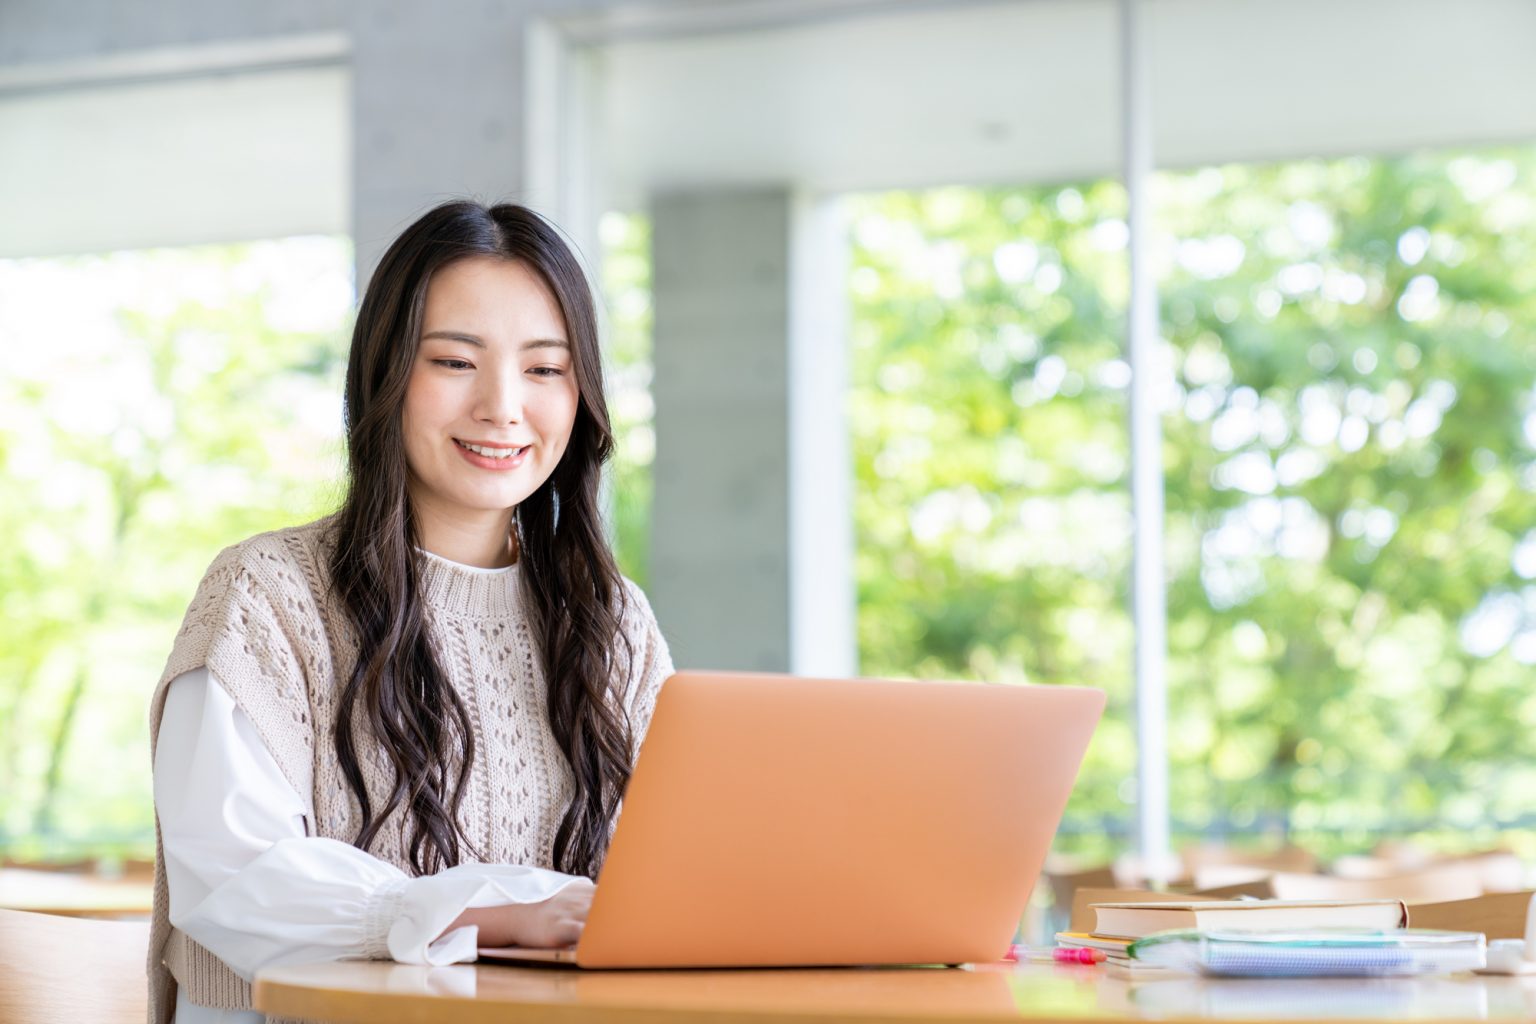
397	691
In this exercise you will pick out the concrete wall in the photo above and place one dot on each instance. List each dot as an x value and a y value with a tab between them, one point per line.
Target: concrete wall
720	533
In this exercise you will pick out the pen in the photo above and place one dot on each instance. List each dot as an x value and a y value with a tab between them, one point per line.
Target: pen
1060	955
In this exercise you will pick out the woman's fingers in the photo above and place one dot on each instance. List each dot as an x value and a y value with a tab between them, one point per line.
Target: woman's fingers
557	921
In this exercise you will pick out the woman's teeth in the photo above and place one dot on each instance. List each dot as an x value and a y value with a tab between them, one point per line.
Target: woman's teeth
490	453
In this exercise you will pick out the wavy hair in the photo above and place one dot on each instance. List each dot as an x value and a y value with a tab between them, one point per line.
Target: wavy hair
397	692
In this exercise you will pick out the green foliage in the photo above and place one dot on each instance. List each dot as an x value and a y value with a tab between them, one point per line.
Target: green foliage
180	404
1348	485
625	296
1348	468
988	431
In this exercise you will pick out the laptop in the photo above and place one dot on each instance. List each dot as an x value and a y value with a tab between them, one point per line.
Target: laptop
781	821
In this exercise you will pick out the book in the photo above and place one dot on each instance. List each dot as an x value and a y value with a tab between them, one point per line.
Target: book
1135	920
1084	940
1116	951
1084	898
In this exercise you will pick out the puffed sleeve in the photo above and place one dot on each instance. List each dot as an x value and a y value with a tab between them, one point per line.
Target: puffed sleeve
248	882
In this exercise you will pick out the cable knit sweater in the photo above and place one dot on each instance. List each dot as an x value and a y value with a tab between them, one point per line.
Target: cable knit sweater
265	626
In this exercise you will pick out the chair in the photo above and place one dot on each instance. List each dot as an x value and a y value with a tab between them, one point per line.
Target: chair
1499	870
1203	858
1438	884
1367	866
1257	888
1499	915
1405	854
136	870
72	969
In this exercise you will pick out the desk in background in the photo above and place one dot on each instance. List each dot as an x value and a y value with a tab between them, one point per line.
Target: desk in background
388	993
72	895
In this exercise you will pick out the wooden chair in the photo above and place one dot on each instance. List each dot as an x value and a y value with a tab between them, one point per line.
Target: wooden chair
1064	884
1366	866
1499	870
1406	854
135	869
1206	857
1437	884
1499	915
72	969
1258	888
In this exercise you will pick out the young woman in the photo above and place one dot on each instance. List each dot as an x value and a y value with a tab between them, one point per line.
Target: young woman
404	730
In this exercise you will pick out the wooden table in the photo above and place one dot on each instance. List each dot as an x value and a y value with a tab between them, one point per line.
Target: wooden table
386	993
49	892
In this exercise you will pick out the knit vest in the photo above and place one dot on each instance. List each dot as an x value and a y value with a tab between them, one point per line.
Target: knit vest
269	631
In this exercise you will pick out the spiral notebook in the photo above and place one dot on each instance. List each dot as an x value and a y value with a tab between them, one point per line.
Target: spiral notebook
1314	953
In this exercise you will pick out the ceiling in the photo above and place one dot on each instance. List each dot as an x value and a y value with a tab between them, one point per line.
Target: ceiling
877	98
1030	91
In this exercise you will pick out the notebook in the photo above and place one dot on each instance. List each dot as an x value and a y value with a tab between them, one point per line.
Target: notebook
1323	952
784	821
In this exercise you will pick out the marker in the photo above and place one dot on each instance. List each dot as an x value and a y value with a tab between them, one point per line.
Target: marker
1078	955
1060	955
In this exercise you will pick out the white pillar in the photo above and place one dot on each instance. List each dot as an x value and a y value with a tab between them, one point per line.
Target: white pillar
822	602
1149	597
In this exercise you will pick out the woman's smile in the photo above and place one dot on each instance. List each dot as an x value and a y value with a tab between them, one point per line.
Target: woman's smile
493	458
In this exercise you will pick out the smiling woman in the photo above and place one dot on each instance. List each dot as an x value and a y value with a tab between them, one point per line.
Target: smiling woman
404	729
489	407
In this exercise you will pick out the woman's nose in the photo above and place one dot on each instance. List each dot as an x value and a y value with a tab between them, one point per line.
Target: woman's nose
500	399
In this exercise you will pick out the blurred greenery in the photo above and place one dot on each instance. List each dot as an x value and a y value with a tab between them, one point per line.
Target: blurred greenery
157	406
1347	381
624	297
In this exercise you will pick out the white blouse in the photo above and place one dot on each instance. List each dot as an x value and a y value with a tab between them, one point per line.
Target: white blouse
250	883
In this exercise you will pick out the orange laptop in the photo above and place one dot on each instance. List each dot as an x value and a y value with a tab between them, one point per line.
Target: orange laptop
777	821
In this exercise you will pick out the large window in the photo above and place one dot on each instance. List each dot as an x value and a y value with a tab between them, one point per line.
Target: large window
1348	462
1351	494
989	434
155	406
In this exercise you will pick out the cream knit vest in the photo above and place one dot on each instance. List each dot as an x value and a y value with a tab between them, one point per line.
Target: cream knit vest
265	627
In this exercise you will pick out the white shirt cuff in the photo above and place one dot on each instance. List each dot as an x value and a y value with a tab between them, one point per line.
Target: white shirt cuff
429	904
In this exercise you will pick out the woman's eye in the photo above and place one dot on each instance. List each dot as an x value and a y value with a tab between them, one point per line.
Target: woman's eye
547	371
452	364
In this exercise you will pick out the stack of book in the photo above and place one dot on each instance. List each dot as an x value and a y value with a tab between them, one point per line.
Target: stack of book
1118	925
1115	951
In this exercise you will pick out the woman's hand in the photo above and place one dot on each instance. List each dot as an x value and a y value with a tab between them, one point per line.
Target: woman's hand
552	924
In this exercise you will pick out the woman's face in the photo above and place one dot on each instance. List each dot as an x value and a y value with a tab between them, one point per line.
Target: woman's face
492	370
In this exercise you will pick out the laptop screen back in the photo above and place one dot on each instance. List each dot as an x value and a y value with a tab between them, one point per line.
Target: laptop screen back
784	821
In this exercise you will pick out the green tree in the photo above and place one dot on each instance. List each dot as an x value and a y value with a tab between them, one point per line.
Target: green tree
195	412
1347	459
